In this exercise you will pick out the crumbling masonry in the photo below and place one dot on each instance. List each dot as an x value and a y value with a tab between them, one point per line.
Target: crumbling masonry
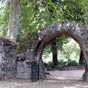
19	66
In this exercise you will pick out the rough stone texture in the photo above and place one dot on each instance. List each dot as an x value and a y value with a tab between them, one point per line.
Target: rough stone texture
28	55
23	70
24	61
12	65
7	59
31	49
69	27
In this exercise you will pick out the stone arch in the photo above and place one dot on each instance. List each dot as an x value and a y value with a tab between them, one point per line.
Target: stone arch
70	29
49	38
38	40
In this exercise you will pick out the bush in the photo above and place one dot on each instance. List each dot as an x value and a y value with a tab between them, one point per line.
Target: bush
72	63
50	63
61	64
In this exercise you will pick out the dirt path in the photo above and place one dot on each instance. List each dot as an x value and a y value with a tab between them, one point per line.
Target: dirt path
66	75
57	79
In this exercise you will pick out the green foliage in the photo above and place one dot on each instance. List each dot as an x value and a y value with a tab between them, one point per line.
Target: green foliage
28	41
59	46
72	63
50	63
72	10
36	14
60	65
70	51
4	16
84	5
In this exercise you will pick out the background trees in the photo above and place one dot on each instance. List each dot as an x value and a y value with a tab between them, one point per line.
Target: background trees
69	53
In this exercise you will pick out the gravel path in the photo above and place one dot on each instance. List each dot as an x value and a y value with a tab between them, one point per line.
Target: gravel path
56	79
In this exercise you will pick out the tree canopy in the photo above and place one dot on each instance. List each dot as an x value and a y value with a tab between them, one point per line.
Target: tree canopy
37	14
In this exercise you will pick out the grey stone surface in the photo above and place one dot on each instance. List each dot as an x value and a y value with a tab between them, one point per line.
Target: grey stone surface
29	55
24	61
69	27
7	59
10	67
23	70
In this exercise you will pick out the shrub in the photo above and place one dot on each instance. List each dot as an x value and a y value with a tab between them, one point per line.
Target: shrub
72	63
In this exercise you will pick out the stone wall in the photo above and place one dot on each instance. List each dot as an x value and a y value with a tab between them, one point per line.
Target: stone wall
24	63
19	66
7	59
23	70
14	66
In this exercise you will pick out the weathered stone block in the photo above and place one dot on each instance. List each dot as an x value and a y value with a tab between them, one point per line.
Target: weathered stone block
7	59
23	70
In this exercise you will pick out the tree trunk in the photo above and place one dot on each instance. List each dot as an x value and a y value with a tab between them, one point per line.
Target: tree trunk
81	60
54	52
12	31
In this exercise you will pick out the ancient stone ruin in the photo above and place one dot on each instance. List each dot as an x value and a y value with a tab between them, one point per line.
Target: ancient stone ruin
21	65
7	59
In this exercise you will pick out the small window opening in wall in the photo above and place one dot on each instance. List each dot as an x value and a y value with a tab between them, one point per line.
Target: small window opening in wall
63	59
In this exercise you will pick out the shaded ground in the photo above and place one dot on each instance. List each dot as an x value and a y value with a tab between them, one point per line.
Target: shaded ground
56	79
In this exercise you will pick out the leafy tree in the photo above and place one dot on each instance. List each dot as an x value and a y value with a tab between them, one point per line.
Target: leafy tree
84	6
4	11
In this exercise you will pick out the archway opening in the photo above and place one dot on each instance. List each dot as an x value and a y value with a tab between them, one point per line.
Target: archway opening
69	57
67	53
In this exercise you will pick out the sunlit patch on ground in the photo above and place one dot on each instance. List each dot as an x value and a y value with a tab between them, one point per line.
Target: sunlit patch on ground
64	75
